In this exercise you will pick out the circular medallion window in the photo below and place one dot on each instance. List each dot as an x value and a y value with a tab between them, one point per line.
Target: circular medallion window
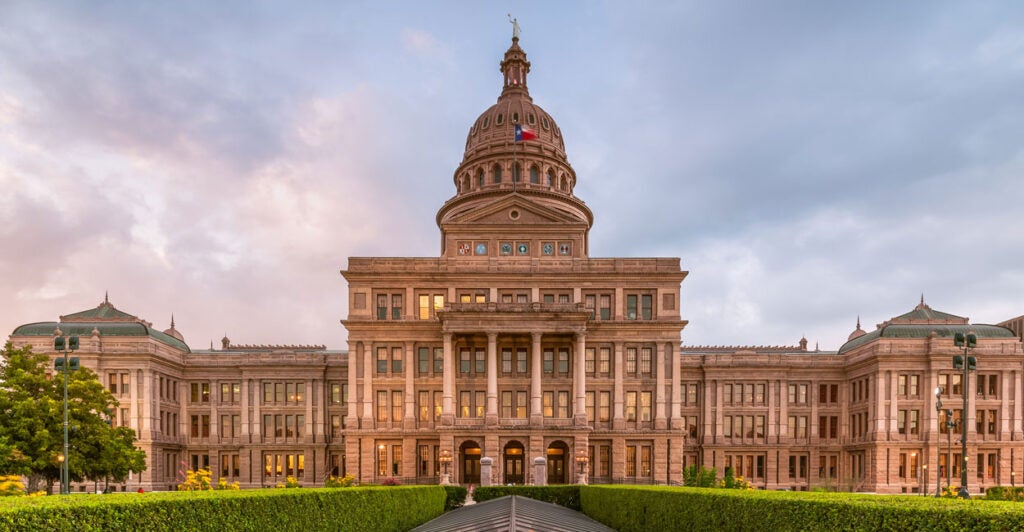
514	214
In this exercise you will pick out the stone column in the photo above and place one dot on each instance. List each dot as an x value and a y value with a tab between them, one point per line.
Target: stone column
351	412
447	408
214	418
410	390
368	354
309	431
540	471
675	373
491	416
485	471
619	417
659	389
580	407
536	411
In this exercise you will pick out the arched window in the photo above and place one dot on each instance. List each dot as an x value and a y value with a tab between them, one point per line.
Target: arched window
547	178
516	172
480	178
497	174
534	175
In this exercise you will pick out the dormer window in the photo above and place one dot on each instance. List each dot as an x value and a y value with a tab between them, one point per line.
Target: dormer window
499	120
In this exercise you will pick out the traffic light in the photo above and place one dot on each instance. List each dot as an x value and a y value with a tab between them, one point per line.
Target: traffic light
972	363
72	343
58	343
958	361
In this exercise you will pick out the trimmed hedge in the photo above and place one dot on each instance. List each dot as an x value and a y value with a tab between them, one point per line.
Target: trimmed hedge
643	508
455	497
567	495
1005	493
397	508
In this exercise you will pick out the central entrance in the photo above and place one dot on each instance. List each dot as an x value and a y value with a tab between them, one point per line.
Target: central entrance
556	462
515	458
470	452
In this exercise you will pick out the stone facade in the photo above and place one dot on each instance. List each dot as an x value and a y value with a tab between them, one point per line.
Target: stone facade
514	344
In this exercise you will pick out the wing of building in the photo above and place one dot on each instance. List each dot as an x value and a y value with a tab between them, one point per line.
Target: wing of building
515	347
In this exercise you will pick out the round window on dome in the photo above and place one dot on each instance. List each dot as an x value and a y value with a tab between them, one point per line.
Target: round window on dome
544	122
487	121
513	214
499	120
530	119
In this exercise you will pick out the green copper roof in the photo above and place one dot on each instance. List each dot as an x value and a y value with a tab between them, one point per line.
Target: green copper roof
897	330
926	313
83	328
105	312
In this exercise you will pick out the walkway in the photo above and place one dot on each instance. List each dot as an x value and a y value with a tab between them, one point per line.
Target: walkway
512	513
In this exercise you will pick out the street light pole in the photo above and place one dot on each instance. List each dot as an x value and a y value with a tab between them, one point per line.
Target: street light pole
65	344
967	363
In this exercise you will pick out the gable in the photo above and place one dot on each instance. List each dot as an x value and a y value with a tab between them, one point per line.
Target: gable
514	209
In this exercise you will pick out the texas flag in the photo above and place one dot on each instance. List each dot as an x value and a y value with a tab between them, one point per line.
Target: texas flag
524	134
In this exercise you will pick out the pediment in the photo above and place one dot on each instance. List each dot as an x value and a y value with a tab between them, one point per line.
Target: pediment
514	209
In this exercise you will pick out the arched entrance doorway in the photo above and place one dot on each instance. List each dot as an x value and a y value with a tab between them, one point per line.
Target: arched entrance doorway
470	455
557	452
515	460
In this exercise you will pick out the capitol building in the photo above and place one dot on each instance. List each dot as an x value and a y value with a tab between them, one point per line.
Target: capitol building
514	344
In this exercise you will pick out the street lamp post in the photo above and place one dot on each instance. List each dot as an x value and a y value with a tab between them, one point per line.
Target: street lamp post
924	475
581	462
950	427
967	363
64	344
446	458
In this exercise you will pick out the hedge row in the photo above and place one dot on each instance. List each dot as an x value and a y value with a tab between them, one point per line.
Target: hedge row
358	509
643	508
567	495
455	497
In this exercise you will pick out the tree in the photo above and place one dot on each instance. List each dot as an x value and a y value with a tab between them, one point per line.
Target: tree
32	424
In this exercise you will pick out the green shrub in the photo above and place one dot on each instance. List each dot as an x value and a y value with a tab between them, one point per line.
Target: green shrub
455	497
397	508
1004	493
656	508
700	477
11	485
567	495
340	482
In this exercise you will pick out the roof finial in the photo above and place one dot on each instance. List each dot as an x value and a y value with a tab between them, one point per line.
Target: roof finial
922	298
858	321
172	320
515	27
106	297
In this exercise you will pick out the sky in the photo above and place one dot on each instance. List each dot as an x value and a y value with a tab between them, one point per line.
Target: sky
809	162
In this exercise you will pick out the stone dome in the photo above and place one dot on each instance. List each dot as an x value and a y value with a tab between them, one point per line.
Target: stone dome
494	160
857	333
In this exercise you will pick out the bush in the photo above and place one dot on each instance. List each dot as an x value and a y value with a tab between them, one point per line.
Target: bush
643	508
455	497
700	477
357	509
196	481
340	482
1004	493
11	485
567	495
391	481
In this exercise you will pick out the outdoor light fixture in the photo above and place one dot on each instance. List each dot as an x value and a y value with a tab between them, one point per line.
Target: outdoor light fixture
445	459
581	461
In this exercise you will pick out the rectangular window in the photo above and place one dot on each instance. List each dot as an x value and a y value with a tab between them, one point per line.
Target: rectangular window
631	460
382	360
645	460
563	361
397	404
396	306
604	364
438	361
605	309
590	360
424	405
631	360
604	413
646	307
382	405
548	404
506	361
112	382
438	402
506	404
382	306
549	361
521	404
563	405
464	361
423	309
126	388
465	403
481	403
423	361
591	406
590	303
396	360
481	362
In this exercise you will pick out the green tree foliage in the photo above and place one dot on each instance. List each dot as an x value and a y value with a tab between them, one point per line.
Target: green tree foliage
32	424
700	477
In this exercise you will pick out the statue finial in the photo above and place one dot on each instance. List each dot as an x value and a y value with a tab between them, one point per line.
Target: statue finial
515	27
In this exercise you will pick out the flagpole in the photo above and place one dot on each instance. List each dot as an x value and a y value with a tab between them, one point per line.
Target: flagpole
515	125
